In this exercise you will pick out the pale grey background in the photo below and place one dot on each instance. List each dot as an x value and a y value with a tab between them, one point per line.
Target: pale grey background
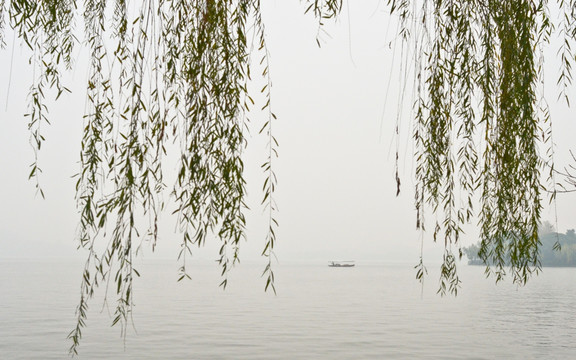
337	109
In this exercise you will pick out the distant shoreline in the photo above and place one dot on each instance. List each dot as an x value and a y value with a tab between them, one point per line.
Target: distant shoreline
480	263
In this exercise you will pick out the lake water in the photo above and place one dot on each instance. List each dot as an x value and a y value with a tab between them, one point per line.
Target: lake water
366	312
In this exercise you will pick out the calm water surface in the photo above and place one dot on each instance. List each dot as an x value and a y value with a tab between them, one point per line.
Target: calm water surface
367	312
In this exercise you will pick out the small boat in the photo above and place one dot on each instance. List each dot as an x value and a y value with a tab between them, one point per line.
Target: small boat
341	264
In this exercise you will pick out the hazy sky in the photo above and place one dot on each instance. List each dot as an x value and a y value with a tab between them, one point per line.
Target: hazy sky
336	191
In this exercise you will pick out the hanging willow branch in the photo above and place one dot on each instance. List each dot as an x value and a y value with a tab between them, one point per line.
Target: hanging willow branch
478	124
168	70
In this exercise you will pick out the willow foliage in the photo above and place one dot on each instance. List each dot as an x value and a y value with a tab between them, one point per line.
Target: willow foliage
179	71
481	122
167	71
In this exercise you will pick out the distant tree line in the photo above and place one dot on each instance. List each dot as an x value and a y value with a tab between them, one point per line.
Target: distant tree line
555	249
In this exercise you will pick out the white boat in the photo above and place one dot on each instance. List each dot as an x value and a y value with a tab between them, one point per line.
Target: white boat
341	264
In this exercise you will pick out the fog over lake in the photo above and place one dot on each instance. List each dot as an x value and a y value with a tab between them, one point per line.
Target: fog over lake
337	109
371	311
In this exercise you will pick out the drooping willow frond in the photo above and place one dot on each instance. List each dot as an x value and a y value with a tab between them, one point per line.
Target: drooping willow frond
165	72
478	125
2	23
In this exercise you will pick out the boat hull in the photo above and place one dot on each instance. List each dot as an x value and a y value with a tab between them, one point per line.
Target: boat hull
336	264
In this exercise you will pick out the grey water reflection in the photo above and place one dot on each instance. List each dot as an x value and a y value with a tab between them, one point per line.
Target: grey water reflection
366	312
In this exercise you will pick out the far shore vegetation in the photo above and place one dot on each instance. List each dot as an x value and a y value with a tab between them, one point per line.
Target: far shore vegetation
556	249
